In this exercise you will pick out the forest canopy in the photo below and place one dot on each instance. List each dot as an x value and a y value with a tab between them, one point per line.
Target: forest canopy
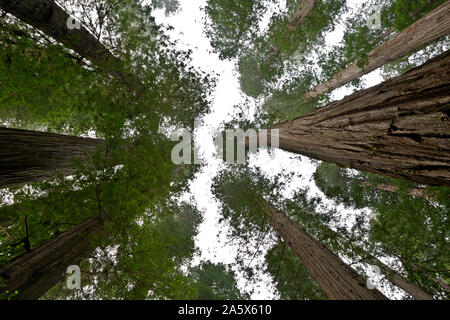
348	200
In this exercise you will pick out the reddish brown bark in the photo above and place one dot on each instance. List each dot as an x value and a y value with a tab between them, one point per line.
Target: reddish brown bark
337	280
35	272
51	19
415	192
31	156
433	26
399	128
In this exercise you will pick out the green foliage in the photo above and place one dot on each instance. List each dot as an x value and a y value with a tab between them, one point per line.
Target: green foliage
300	38
241	192
78	97
99	187
413	229
289	102
255	73
216	282
264	62
359	40
408	11
230	24
145	261
170	6
418	235
130	182
292	280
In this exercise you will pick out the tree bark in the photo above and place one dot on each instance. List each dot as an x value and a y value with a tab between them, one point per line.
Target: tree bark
399	128
431	27
51	19
415	192
400	281
337	280
31	156
34	273
441	283
301	13
397	279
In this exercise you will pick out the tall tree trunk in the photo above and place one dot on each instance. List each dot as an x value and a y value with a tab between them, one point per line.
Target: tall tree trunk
51	19
431	27
301	13
399	128
441	283
392	275
337	280
31	156
400	281
415	192
35	272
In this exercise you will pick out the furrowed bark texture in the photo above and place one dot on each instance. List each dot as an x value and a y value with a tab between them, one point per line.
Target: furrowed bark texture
31	156
431	27
34	273
51	19
399	128
334	276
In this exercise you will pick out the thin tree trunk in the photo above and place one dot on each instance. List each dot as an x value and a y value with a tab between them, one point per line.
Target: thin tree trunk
297	19
441	283
393	276
35	272
31	156
399	128
431	27
51	19
415	192
400	281
301	13
337	280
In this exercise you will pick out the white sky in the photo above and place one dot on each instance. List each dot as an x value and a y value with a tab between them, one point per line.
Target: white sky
188	30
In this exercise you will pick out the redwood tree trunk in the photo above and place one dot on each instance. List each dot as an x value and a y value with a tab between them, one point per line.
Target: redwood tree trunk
400	281
51	19
399	128
335	278
415	192
34	273
31	156
431	27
